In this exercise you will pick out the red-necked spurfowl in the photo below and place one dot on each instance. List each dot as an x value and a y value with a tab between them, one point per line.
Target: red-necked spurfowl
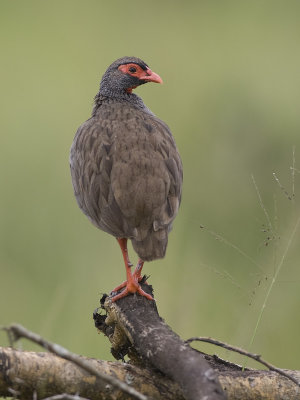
126	170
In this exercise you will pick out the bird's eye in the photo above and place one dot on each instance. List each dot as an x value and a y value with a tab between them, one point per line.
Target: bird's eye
132	69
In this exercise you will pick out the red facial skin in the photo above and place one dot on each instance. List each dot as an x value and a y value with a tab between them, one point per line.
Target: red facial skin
138	72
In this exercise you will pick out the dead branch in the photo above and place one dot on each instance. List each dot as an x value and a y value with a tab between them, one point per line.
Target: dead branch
162	366
16	331
134	327
24	373
255	357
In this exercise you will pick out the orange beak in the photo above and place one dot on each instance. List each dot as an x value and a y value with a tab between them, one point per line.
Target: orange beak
150	76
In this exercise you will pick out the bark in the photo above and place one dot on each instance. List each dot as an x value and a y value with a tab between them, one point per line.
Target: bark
140	332
162	366
28	374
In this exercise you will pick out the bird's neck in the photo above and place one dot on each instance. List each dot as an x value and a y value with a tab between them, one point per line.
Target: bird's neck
105	97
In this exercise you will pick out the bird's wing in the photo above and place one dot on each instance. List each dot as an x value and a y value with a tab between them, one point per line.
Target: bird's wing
173	165
91	164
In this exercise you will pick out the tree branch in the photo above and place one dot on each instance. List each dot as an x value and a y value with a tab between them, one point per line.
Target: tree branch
24	373
16	332
162	366
255	357
134	327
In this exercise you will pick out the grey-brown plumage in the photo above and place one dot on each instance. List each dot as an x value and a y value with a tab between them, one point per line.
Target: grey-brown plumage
126	170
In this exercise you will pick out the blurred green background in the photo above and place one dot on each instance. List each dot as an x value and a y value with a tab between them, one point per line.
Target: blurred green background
231	97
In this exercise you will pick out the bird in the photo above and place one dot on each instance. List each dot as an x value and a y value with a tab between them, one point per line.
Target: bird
126	170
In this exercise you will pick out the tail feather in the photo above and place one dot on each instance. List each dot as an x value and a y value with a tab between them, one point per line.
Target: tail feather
153	246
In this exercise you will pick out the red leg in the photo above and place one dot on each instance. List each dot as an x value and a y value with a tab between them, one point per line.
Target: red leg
138	269
131	285
123	244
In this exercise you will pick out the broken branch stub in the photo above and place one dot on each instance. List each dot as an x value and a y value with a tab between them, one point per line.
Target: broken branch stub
135	328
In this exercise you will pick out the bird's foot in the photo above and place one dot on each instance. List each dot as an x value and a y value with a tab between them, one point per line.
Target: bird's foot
126	292
124	284
136	275
131	286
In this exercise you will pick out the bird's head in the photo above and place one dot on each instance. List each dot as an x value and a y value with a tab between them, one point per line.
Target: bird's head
126	74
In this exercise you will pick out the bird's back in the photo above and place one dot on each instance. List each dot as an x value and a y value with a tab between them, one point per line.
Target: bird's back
127	175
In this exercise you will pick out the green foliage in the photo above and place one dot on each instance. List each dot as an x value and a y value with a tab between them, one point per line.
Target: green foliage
231	98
